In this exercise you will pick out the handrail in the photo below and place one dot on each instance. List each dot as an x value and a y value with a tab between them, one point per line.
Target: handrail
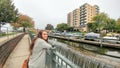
55	60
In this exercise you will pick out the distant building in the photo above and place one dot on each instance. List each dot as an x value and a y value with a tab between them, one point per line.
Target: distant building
86	15
6	28
76	18
79	18
70	19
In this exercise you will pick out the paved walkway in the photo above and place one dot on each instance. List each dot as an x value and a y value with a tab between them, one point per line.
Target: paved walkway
19	54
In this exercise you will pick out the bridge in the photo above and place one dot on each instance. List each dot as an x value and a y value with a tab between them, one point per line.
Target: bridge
16	50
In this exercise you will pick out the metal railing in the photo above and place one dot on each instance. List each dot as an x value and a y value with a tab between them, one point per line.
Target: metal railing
55	60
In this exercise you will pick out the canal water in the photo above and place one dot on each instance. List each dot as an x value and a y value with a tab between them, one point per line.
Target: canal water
91	50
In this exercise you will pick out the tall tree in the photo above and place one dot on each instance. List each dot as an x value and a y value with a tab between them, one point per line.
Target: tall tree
117	28
49	27
101	20
24	21
92	26
62	27
118	21
8	12
110	25
70	28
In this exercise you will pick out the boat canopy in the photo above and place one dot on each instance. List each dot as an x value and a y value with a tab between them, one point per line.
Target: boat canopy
92	34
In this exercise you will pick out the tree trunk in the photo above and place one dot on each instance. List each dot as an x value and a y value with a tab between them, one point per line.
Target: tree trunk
24	29
0	28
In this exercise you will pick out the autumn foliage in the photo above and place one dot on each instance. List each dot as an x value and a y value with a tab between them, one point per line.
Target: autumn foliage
24	21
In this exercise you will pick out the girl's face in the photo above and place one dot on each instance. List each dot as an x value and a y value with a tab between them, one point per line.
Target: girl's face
45	35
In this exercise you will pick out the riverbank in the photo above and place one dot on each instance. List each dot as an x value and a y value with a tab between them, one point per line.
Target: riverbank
100	44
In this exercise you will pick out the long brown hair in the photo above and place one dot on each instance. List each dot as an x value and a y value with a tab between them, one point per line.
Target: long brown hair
39	35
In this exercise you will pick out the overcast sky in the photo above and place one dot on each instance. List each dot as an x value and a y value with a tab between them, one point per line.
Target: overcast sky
53	12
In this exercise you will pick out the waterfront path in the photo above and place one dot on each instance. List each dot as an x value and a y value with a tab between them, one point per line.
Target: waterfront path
19	54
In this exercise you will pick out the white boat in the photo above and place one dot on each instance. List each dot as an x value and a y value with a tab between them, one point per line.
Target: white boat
91	36
110	39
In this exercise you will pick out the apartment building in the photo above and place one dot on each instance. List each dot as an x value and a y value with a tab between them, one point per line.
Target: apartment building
76	18
87	12
82	16
73	18
70	19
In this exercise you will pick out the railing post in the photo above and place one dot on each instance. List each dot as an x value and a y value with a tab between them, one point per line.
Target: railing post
48	60
53	58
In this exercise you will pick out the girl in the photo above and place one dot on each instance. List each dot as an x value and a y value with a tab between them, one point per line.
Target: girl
38	50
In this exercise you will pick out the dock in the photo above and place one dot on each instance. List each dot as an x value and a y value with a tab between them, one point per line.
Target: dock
101	44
